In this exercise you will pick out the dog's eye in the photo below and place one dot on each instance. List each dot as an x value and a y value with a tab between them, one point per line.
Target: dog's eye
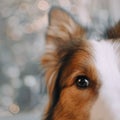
82	82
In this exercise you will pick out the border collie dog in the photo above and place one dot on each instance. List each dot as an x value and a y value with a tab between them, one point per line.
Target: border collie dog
82	76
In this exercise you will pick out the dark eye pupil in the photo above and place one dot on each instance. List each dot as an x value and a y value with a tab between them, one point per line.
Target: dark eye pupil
82	82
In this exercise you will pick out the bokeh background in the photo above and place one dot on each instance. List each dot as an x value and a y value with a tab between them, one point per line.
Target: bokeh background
22	38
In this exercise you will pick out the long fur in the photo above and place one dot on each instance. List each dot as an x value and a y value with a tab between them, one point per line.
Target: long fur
67	55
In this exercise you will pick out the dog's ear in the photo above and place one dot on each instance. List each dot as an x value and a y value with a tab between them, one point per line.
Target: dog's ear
114	31
62	29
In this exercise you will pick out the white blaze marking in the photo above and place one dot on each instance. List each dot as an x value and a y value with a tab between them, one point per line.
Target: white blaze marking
106	61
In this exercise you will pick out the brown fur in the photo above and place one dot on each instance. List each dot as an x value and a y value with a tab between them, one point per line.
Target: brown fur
75	103
114	32
68	58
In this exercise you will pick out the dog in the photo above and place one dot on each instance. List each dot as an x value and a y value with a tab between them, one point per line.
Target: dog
82	76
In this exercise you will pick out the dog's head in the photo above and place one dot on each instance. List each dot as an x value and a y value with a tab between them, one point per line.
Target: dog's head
83	77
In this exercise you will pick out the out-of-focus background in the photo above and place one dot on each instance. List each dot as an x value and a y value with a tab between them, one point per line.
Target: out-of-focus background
22	27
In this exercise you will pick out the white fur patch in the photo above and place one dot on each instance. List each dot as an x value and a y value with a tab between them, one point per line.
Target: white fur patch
107	105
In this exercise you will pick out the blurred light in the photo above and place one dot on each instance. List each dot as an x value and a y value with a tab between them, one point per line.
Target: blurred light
43	5
65	3
74	9
12	71
15	32
29	28
13	108
15	29
37	24
24	6
30	81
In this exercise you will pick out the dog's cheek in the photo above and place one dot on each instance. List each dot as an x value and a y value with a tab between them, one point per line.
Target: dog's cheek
77	100
100	110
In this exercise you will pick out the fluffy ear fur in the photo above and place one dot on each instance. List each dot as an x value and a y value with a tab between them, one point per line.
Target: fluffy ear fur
62	30
62	26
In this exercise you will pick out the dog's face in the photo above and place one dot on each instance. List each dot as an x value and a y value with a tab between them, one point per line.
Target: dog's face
82	76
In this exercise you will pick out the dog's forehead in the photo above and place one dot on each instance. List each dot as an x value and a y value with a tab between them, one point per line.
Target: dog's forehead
107	64
106	60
